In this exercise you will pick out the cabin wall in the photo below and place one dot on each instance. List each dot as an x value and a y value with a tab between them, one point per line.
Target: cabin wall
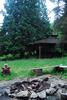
44	50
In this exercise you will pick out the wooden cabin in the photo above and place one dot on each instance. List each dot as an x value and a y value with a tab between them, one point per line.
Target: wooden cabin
45	47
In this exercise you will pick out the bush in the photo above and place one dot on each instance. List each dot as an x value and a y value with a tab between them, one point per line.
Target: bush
58	69
6	70
7	57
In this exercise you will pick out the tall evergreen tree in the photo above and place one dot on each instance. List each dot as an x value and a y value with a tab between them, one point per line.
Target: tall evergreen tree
25	21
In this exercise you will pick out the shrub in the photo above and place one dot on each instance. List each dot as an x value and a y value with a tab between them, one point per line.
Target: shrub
6	70
58	69
7	57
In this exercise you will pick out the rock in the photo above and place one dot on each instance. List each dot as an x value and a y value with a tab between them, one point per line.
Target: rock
12	95
13	88
29	88
16	91
35	80
7	91
18	83
33	95
58	93
24	88
42	94
46	79
64	90
0	94
22	94
50	91
61	85
53	85
65	86
35	84
41	88
64	96
25	85
46	85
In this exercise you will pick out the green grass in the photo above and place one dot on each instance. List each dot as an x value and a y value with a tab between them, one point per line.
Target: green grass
22	68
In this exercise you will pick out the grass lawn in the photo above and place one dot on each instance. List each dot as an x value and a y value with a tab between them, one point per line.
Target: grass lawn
22	68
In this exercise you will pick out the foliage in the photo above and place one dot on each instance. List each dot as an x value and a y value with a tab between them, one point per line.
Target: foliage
6	70
61	18
25	21
6	57
58	69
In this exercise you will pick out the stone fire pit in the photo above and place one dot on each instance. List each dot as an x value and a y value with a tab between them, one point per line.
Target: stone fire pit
41	88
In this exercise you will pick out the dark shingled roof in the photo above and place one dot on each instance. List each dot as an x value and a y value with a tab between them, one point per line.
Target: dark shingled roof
51	40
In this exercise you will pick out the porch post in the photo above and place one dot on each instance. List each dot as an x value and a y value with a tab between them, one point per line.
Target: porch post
39	51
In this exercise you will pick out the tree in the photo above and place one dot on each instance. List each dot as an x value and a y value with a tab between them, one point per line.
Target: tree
25	21
60	23
61	16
